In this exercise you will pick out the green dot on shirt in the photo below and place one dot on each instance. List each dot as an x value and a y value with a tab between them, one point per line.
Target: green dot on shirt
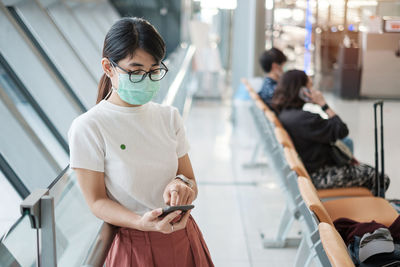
123	146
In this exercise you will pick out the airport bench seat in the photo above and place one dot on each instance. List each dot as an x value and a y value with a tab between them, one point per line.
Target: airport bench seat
344	192
283	137
361	209
297	165
273	118
334	246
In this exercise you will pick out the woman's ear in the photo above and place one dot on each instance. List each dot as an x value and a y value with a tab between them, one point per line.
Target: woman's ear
107	67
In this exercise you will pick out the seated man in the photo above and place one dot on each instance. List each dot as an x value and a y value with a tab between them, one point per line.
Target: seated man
272	62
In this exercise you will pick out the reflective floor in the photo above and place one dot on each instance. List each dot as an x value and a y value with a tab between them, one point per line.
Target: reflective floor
237	204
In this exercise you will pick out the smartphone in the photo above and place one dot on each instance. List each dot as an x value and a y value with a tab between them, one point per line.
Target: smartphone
302	94
170	209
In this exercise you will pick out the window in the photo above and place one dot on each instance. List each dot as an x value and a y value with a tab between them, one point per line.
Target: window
60	56
37	77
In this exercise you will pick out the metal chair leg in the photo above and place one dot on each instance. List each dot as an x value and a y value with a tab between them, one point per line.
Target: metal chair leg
281	240
303	254
253	162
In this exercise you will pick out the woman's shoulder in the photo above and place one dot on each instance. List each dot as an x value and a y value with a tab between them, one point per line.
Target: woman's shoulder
87	119
170	115
297	116
293	112
163	109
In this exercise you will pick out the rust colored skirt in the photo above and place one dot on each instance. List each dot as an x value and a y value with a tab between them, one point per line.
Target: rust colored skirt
183	248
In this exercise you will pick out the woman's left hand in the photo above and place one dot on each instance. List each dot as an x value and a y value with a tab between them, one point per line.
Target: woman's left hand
178	193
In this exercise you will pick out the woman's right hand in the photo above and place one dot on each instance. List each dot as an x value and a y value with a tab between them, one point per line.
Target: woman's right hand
316	97
151	222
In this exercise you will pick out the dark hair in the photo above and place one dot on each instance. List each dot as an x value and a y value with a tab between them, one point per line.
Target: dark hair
287	91
274	55
124	37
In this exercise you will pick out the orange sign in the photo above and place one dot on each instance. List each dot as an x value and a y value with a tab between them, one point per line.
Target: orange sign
392	25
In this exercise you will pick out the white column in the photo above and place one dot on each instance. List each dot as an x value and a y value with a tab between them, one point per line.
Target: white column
248	39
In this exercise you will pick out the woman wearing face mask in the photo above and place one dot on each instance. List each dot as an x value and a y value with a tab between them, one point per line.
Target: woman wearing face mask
130	156
312	135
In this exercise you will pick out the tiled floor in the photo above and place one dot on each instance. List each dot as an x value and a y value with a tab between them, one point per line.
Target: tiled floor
235	204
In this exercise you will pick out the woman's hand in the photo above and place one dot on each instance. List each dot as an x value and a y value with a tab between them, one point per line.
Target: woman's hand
151	222
316	97
178	193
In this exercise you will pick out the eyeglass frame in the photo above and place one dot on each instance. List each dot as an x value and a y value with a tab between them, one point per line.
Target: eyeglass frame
130	73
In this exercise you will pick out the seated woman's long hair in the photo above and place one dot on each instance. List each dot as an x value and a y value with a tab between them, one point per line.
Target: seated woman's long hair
286	95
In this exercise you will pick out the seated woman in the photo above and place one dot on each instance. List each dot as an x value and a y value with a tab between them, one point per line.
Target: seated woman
312	135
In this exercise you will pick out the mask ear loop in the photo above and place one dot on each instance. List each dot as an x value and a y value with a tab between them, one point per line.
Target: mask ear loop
112	87
109	93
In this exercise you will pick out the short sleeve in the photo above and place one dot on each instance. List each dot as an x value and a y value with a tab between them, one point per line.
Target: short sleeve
86	146
182	147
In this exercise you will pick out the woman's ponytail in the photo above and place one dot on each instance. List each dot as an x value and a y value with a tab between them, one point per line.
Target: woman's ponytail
104	88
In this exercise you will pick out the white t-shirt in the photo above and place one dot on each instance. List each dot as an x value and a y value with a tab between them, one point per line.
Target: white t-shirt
137	148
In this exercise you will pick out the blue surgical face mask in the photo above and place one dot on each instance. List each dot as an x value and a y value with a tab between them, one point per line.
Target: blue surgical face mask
136	93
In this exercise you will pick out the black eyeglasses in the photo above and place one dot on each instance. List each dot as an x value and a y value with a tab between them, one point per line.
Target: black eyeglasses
137	76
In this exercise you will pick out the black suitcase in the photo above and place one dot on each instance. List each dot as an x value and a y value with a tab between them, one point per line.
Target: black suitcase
379	175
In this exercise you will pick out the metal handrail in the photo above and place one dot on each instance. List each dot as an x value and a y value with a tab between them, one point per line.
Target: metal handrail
176	84
54	187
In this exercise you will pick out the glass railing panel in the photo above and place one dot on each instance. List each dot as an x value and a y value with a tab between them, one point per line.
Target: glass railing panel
76	229
76	226
18	247
8	213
